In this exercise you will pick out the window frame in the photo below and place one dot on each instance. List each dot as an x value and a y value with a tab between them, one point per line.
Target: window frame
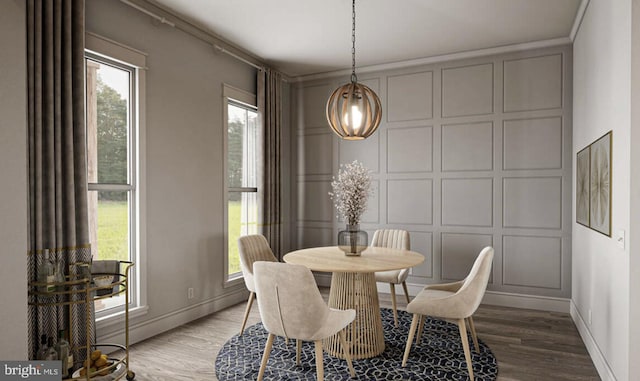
132	179
113	53
240	98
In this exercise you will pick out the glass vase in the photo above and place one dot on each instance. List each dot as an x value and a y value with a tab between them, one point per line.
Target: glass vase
352	241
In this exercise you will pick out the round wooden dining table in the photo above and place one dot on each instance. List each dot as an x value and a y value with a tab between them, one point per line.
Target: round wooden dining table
353	286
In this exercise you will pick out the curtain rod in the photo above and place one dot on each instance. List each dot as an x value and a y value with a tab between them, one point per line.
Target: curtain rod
155	16
216	46
220	49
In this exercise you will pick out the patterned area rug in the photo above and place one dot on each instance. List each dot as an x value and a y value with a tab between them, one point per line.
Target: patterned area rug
438	357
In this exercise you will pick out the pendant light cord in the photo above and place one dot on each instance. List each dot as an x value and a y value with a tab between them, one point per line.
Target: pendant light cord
354	79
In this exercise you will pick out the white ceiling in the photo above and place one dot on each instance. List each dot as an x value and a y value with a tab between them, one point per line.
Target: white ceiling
302	37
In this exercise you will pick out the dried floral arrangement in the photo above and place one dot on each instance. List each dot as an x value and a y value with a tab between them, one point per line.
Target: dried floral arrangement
351	191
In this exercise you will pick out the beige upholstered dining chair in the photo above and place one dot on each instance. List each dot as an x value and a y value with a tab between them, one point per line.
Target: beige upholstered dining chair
457	301
291	306
252	248
393	239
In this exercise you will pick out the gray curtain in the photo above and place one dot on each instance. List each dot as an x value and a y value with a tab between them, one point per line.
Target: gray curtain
57	159
270	108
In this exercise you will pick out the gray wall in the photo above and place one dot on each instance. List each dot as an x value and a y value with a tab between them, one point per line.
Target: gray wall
184	164
601	296
13	171
470	153
634	210
183	154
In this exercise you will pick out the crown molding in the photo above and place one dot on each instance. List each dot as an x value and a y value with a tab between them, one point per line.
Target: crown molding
164	16
441	58
582	9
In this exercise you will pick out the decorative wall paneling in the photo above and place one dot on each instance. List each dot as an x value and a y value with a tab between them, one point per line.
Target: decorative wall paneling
469	153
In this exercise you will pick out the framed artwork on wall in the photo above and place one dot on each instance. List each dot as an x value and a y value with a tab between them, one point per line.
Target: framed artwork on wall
583	185
600	189
593	185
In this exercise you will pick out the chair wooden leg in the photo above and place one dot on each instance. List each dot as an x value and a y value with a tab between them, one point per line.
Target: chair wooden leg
393	303
246	312
265	356
298	350
420	329
412	331
347	353
472	327
465	345
406	292
319	362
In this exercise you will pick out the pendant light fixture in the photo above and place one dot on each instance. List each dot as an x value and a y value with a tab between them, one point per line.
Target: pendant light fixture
354	110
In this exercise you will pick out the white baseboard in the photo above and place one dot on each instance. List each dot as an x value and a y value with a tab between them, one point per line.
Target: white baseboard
495	298
600	362
146	329
532	302
505	299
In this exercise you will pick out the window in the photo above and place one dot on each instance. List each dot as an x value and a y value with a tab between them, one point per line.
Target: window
242	173
111	175
113	166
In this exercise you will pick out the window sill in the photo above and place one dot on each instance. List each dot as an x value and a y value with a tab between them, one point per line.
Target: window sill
233	282
118	317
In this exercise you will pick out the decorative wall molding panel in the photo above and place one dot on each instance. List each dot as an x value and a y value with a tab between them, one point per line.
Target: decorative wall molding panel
469	153
467	202
467	90
410	201
532	261
422	242
410	97
459	251
532	143
313	107
316	158
533	83
532	202
366	151
410	149
316	207
467	147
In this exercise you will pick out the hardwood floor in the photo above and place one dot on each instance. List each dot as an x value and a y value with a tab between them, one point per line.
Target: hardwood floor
528	344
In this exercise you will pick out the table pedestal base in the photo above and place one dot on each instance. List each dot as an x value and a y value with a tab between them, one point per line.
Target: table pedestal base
364	336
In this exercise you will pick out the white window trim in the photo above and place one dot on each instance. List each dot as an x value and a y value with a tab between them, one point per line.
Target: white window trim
113	50
235	95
